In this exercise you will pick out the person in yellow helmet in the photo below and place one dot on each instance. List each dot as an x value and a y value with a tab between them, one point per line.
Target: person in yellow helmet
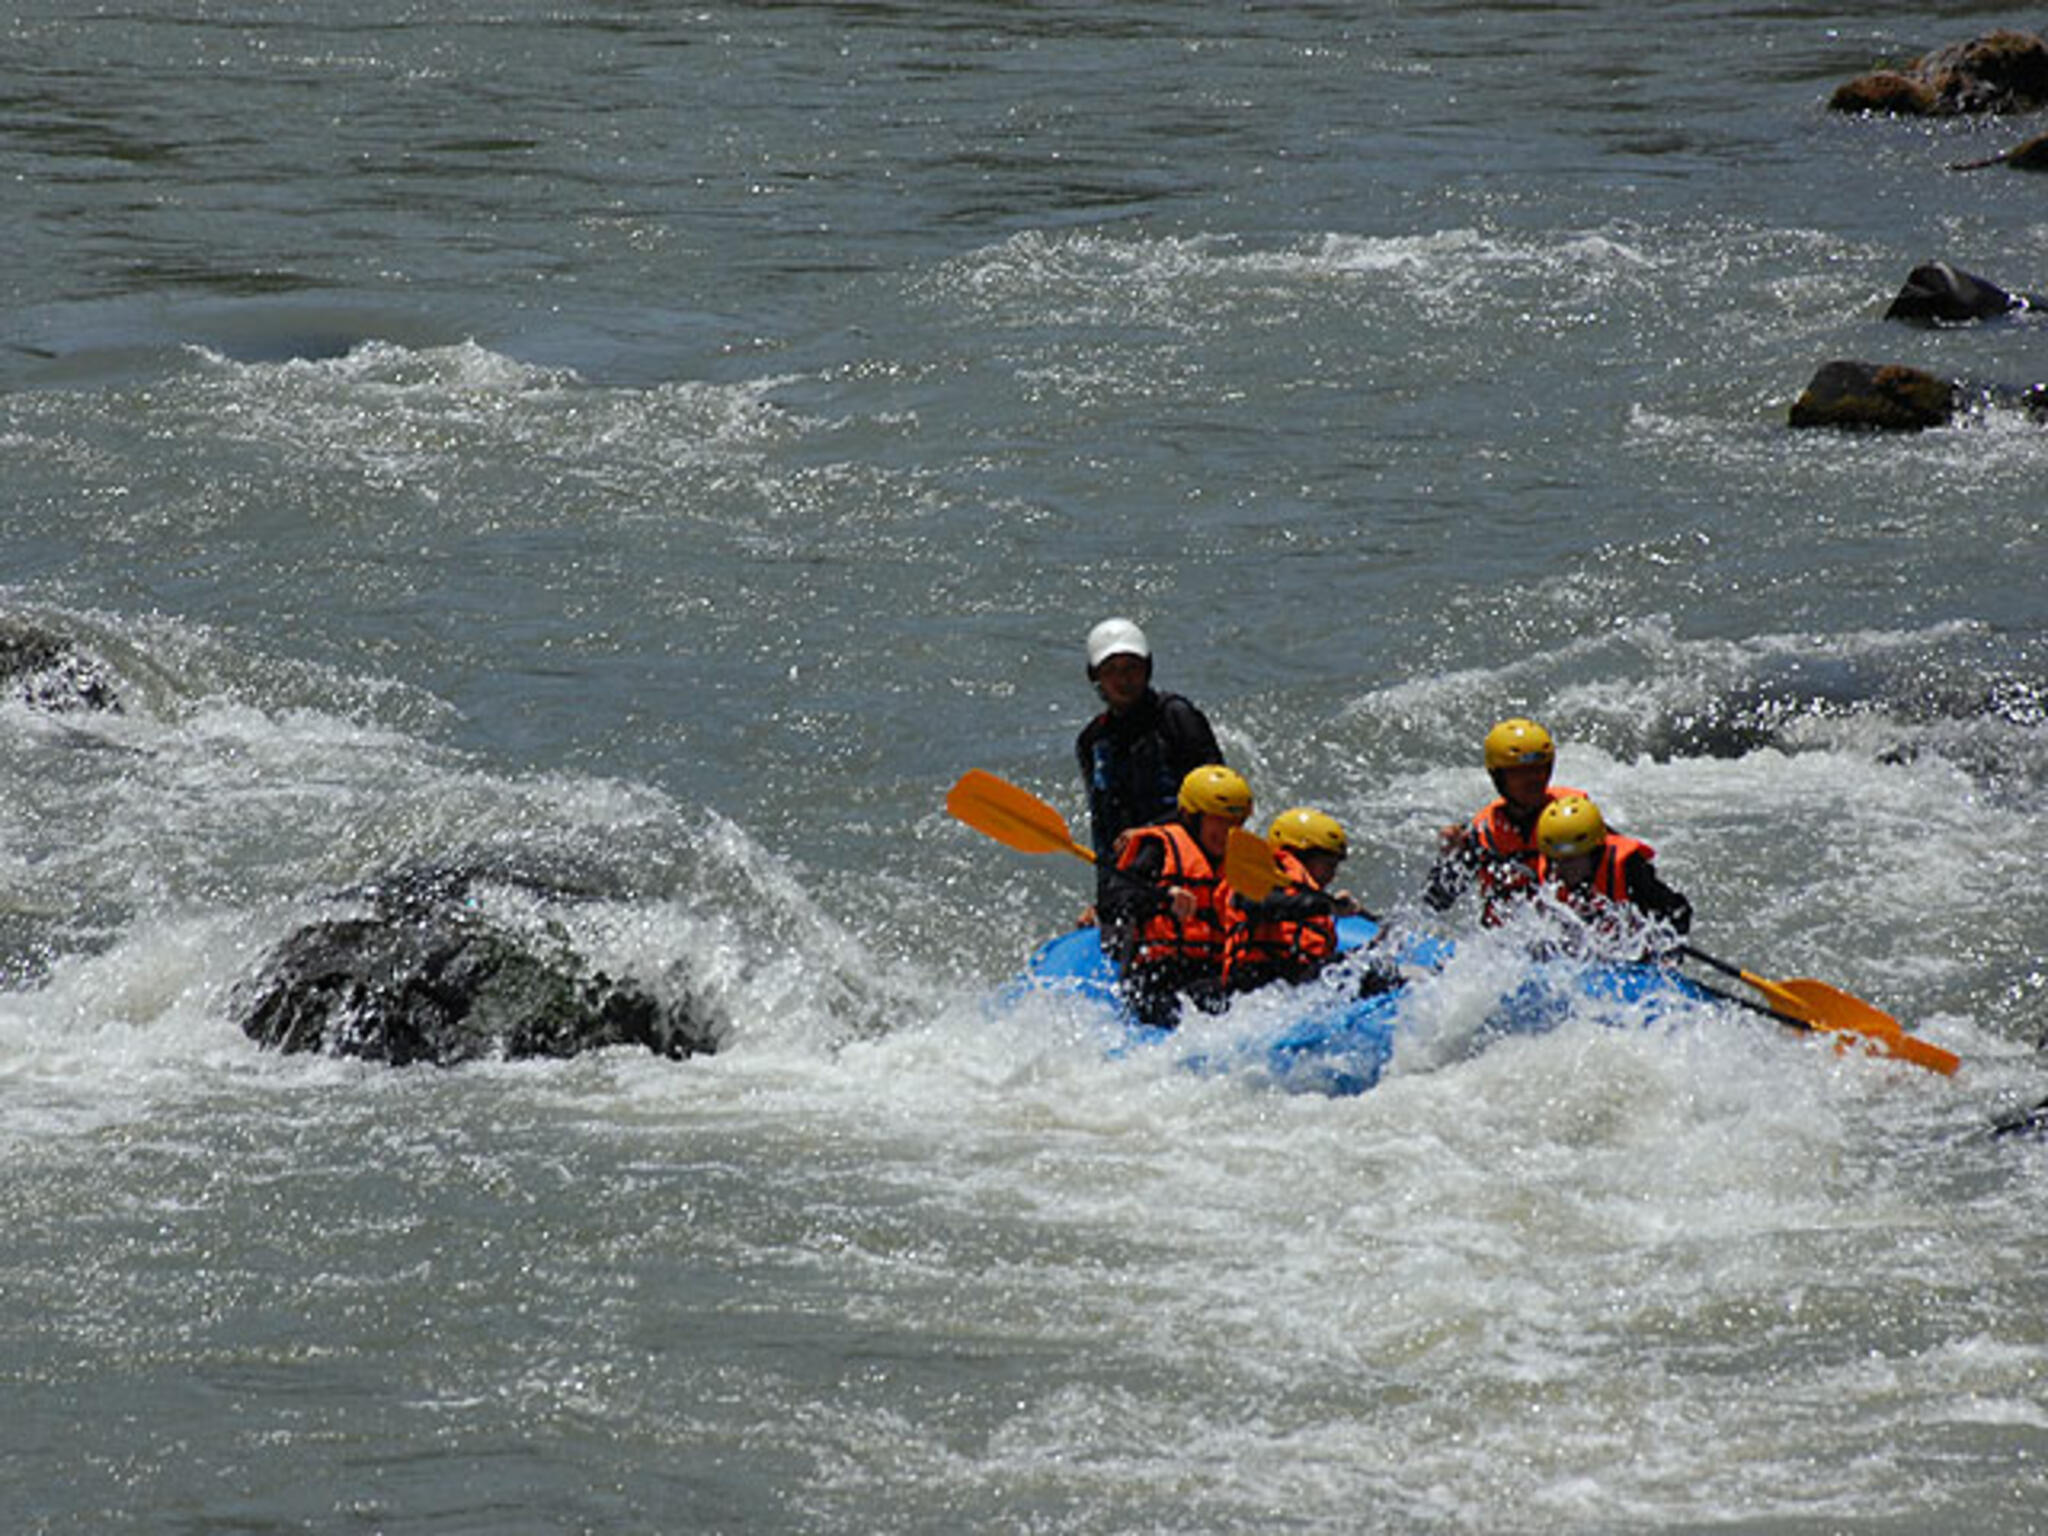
1291	933
1608	881
1496	850
1163	915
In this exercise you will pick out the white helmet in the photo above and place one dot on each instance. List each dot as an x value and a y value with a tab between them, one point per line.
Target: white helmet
1116	637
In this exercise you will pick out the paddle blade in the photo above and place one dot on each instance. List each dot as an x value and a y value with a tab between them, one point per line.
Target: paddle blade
1249	865
1821	998
1829	1007
1014	817
1816	1005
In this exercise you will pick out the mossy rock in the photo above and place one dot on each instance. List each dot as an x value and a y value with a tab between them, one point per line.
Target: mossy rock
2000	72
1883	397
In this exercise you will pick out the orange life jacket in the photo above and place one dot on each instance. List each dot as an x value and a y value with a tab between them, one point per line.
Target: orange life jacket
1162	937
1291	947
1507	857
1602	899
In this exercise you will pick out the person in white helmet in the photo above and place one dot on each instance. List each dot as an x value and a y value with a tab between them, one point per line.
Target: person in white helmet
1134	754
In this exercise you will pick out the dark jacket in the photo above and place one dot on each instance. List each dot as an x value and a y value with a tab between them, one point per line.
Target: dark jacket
1132	765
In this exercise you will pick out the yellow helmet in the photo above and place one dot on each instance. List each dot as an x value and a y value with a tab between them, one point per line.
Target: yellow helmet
1568	829
1214	790
1307	831
1516	743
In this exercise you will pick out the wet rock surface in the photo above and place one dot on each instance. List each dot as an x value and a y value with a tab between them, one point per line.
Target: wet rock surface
51	672
1896	397
1937	293
420	972
1999	72
1889	397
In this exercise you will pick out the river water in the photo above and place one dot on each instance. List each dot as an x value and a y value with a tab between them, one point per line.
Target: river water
670	444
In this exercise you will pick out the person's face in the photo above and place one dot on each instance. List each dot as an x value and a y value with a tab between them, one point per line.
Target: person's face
1213	833
1575	871
1121	680
1525	783
1321	866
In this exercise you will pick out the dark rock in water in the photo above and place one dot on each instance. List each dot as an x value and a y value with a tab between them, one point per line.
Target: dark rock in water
426	976
1891	397
2002	71
1936	293
2026	1122
1724	726
48	672
1886	90
2028	155
1875	396
2015	700
1766	708
1975	703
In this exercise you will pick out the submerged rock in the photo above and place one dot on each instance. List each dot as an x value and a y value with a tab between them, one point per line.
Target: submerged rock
1920	695
1885	90
1725	726
2002	71
2026	1122
2028	155
424	975
48	671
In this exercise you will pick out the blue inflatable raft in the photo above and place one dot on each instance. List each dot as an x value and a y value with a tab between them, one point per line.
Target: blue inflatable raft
1340	1043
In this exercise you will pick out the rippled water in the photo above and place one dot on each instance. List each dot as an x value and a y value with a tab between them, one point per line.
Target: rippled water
666	447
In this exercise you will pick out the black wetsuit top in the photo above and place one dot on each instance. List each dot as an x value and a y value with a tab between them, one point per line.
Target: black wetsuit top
1132	765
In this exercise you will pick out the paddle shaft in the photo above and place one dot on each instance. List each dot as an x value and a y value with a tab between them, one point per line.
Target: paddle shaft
1750	1003
1762	984
1706	959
